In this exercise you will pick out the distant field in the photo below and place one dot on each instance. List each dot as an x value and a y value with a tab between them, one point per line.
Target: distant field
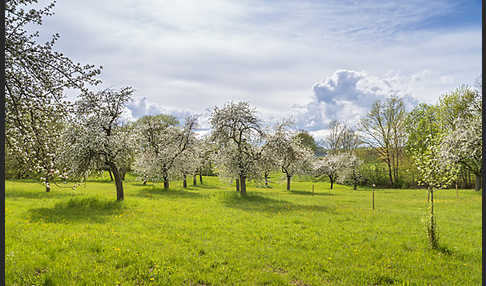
209	235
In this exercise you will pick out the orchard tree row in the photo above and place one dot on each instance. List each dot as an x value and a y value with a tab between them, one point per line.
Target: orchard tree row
56	139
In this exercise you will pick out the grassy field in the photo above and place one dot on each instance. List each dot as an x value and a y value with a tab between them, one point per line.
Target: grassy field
209	235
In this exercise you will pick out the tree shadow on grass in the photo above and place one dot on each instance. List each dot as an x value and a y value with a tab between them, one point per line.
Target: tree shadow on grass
203	186
42	194
86	210
253	202
142	185
309	193
162	193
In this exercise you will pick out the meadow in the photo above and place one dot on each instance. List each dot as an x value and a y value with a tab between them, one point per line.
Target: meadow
209	235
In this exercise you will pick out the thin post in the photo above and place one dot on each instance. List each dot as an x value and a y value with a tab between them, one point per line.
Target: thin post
373	196
373	199
432	228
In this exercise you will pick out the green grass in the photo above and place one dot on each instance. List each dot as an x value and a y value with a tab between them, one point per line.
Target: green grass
209	235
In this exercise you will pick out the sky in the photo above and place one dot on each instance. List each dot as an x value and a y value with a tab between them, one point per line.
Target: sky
312	61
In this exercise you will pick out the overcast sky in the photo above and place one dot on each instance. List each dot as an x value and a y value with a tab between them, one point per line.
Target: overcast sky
312	60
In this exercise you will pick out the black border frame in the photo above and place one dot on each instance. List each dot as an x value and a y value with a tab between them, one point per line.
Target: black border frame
2	138
483	170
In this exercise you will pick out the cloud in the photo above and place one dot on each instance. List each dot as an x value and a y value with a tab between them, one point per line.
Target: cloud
420	76
195	54
183	57
140	107
446	79
348	95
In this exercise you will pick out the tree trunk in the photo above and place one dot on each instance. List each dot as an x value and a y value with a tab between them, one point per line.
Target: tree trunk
123	173
390	172
200	177
118	183
332	182
166	183
184	182
288	182
48	186
266	180
477	185
354	186
194	180
432	228
464	181
390	175
111	176
144	181
243	185
237	185
397	164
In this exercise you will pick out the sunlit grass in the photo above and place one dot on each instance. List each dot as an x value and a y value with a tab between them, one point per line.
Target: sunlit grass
209	235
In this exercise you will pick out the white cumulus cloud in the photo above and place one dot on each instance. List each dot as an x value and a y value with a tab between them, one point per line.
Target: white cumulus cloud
348	95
